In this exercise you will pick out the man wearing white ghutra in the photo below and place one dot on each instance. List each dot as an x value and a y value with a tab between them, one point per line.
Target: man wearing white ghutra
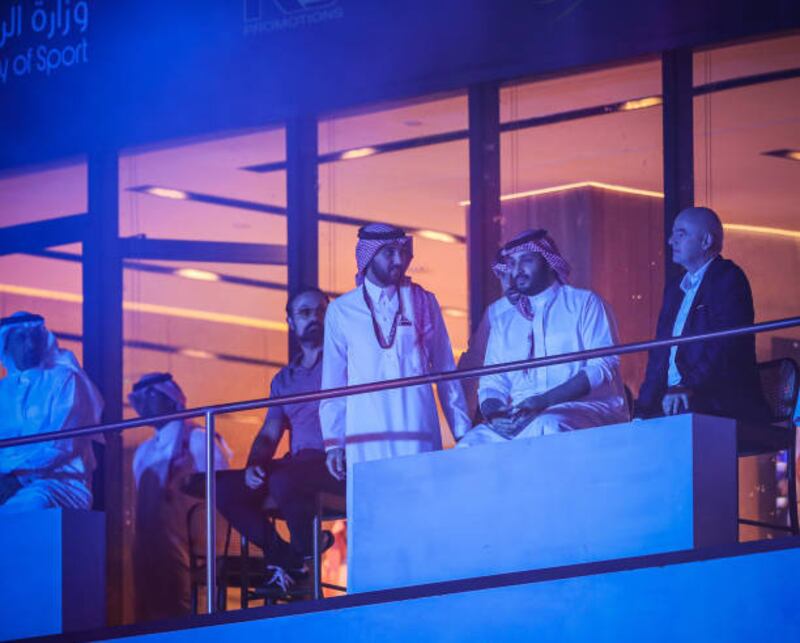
387	327
549	318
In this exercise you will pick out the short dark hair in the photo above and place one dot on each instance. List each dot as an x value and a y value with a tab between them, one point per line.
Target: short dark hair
302	291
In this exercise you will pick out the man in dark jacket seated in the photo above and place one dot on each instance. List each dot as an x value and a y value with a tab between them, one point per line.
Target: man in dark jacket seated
715	377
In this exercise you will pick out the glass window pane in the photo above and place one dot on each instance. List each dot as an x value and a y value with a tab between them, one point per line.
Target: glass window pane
749	59
755	193
48	285
596	184
38	194
220	330
207	190
746	169
415	182
579	91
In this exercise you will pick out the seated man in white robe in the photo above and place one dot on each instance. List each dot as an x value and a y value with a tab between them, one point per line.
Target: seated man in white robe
386	328
550	318
162	467
44	390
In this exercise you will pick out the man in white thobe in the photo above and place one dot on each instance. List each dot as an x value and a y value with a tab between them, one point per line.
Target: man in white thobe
162	467
550	318
386	328
44	390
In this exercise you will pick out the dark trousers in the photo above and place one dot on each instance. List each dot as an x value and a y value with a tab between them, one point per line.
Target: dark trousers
294	485
242	507
293	482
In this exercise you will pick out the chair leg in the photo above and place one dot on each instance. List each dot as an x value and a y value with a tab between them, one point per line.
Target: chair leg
317	528
244	581
791	473
194	598
222	595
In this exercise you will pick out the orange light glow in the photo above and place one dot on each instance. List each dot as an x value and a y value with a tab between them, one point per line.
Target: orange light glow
155	309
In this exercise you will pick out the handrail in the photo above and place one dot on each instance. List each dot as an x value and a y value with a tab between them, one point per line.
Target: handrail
211	411
401	382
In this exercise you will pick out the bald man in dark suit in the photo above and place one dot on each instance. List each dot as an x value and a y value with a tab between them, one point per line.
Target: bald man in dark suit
717	377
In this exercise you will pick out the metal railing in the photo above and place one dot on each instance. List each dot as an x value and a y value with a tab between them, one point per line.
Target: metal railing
210	412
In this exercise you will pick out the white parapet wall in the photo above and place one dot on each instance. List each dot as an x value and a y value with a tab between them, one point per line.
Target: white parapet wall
52	572
625	490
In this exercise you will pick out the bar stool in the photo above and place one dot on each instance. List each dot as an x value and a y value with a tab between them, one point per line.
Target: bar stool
328	507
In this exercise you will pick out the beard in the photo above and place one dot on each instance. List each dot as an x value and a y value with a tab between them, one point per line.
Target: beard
312	334
533	285
391	277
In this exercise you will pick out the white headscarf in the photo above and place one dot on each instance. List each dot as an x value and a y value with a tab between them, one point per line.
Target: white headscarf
53	355
161	382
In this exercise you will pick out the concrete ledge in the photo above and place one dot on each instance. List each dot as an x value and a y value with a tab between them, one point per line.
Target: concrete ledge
742	592
633	489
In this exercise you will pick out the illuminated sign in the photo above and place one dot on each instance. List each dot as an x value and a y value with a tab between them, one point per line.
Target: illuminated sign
42	37
264	16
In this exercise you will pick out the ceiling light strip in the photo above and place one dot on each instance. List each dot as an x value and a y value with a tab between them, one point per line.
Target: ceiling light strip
156	309
436	235
757	229
575	186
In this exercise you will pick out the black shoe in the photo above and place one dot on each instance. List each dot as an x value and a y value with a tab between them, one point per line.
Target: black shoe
325	543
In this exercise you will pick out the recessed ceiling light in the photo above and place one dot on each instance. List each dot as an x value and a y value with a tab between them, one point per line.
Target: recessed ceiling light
200	275
358	153
168	193
454	312
435	235
193	352
641	103
788	154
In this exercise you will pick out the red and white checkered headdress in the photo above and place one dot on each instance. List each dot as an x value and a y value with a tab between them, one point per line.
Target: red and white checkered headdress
371	238
534	241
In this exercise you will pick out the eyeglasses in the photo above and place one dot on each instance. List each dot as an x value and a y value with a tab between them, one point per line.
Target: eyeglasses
308	313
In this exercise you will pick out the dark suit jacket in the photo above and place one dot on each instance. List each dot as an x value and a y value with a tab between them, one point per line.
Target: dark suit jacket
721	373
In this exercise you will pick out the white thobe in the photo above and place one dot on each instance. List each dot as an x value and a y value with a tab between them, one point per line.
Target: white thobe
56	473
161	543
396	422
565	320
156	453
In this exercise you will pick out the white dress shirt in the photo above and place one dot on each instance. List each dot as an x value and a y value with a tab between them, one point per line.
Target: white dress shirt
397	422
690	284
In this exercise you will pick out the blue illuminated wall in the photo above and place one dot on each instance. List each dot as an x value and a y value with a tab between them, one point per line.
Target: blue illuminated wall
744	598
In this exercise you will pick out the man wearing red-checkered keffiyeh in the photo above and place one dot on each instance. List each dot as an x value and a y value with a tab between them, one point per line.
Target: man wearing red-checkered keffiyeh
386	328
549	318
